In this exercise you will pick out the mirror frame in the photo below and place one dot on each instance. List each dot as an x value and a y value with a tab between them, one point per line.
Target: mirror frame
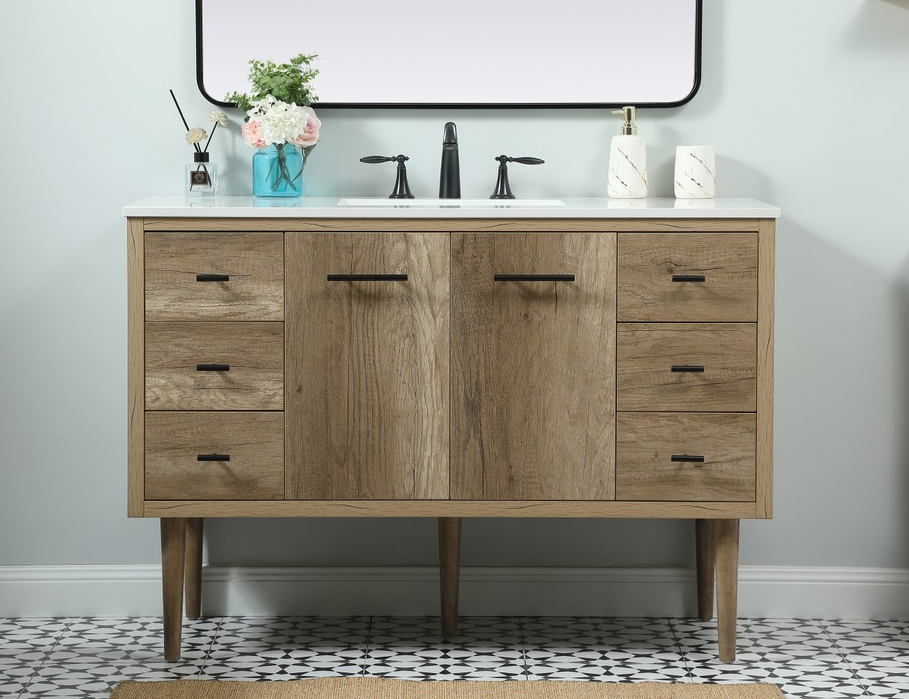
483	105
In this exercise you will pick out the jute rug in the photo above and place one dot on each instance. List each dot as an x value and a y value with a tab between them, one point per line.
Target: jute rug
378	688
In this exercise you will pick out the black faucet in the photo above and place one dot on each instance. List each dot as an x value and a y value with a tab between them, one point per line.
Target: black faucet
450	178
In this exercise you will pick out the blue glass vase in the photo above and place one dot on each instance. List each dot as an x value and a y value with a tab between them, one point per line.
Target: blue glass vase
277	171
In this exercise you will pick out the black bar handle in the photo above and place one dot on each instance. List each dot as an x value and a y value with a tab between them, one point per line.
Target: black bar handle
689	278
212	277
213	457
687	369
533	277
367	277
686	458
212	367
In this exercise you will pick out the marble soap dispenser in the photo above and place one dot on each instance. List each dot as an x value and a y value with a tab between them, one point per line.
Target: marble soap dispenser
627	177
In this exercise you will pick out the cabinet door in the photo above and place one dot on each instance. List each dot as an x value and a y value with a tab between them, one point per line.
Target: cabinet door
366	321
533	366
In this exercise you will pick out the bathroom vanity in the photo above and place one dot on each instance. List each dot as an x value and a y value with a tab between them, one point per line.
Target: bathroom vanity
593	359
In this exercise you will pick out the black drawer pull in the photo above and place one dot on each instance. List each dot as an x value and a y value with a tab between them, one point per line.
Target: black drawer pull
687	369
367	277
213	457
689	278
212	367
212	277
533	277
686	459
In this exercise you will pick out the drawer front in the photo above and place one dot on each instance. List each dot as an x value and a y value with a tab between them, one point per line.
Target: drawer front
685	457
678	277
687	367
214	366
242	456
227	276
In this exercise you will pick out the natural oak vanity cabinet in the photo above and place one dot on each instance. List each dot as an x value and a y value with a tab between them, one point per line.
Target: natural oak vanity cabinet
316	362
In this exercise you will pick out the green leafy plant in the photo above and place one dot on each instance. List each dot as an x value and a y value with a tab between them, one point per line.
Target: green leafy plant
287	82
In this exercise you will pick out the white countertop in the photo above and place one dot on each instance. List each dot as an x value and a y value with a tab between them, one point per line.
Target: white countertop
328	207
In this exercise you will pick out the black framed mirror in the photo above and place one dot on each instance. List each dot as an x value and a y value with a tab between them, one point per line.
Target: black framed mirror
473	53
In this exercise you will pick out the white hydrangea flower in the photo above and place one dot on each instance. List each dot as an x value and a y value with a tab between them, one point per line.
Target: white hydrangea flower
195	135
279	121
218	117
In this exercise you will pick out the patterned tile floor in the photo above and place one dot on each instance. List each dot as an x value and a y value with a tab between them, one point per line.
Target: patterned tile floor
85	657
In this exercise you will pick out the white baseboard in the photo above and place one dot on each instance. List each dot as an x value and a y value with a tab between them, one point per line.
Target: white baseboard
844	593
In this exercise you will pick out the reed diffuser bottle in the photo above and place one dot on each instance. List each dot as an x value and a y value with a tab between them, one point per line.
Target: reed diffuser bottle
201	176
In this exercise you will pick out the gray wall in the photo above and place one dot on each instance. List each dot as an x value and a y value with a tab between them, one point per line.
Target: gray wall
806	103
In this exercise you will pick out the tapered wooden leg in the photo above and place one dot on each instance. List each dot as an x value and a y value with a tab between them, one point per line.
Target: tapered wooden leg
173	539
449	572
706	565
193	568
726	535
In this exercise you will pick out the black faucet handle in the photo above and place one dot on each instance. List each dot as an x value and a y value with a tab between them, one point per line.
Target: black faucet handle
503	189
402	189
383	158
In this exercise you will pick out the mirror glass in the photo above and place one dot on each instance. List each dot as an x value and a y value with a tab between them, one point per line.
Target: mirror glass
469	53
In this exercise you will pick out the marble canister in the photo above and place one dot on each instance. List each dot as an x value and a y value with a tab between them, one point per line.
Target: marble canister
695	172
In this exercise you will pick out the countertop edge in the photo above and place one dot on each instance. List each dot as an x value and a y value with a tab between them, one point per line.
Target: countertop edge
593	208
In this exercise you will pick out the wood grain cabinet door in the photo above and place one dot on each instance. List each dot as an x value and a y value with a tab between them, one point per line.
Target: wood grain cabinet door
533	366
366	402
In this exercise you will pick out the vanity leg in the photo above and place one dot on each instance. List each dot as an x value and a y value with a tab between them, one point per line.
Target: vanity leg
706	565
449	572
726	537
173	540
193	568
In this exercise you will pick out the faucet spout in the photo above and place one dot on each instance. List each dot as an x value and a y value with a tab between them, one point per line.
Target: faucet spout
450	177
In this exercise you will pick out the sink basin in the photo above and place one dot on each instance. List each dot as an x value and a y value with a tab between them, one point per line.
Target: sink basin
458	203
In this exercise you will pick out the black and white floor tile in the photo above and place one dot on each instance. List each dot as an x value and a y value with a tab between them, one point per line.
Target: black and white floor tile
83	658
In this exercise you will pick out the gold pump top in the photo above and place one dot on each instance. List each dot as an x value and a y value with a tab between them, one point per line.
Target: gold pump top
629	128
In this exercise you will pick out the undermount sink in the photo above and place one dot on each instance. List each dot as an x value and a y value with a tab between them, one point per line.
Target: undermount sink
459	203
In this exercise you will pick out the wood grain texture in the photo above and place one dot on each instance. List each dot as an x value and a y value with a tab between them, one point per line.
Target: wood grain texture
367	367
135	371
533	368
449	573
451	508
254	263
647	263
705	554
766	242
645	443
254	442
726	541
646	353
254	351
420	225
173	541
192	573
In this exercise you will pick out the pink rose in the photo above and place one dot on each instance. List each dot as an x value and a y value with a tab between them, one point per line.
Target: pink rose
250	133
310	134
